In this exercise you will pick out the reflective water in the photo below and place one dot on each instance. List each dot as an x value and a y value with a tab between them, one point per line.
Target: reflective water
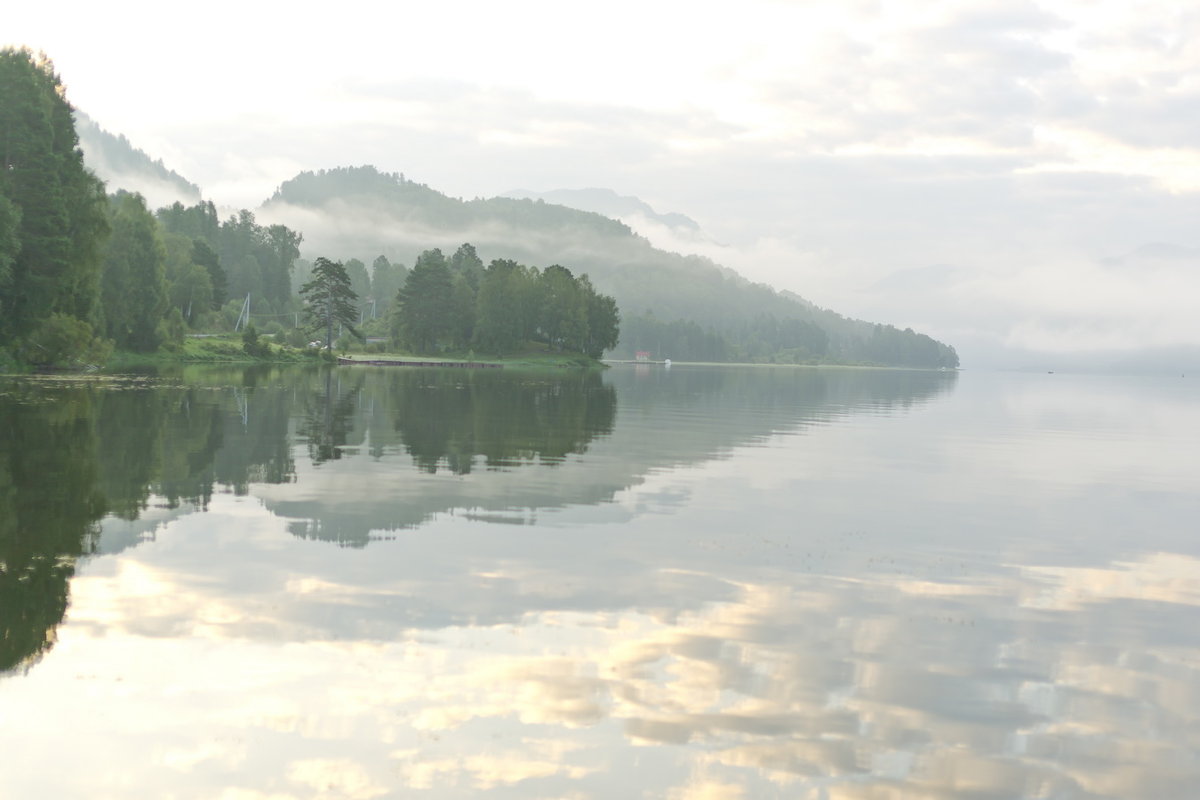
695	583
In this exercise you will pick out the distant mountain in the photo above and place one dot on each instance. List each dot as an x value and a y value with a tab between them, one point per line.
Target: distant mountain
122	166
608	203
685	307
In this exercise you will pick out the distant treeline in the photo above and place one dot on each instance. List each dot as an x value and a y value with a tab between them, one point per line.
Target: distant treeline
676	306
768	339
82	272
455	303
106	152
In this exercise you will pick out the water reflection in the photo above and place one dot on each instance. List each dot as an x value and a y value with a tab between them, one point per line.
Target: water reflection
728	584
449	665
74	450
50	501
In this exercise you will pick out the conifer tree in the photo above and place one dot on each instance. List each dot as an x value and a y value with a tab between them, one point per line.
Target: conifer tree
329	300
52	223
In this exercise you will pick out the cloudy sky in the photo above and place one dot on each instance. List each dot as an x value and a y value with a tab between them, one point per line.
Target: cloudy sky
990	172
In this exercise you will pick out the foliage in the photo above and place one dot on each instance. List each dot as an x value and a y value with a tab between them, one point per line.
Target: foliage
52	220
134	283
110	153
453	305
743	320
204	256
603	320
241	256
198	222
424	307
172	330
10	221
505	307
360	284
465	263
61	340
253	345
386	281
329	300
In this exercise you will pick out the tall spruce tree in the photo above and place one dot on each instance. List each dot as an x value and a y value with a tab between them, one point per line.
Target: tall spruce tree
52	223
329	300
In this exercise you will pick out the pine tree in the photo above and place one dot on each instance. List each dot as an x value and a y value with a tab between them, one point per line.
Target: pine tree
329	300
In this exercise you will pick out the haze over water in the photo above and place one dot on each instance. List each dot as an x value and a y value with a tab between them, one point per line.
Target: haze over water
702	582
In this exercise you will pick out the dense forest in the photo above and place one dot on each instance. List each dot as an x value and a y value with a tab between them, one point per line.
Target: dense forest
117	162
83	272
456	302
681	307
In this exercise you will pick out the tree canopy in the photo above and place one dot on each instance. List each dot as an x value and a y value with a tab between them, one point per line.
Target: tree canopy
52	209
456	304
329	300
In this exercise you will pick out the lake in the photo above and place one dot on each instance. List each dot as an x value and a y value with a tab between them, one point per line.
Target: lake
694	583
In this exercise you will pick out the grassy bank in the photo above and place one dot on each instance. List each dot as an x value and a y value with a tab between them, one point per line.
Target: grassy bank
230	349
214	349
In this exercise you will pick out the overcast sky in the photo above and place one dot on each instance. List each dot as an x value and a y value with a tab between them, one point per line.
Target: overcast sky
978	170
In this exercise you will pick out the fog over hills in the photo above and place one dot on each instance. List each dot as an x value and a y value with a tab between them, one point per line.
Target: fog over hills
121	165
1110	312
610	204
360	212
821	147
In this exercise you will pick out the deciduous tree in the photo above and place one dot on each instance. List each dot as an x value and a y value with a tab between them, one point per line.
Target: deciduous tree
134	283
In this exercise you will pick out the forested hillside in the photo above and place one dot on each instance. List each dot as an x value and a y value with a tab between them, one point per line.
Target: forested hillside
84	270
120	165
676	306
53	220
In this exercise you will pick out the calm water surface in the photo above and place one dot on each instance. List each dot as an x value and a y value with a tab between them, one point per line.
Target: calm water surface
690	583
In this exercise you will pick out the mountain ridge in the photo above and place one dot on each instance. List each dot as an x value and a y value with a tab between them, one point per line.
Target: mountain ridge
608	203
121	165
361	212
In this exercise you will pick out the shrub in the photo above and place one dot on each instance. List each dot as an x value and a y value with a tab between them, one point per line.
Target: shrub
252	345
63	340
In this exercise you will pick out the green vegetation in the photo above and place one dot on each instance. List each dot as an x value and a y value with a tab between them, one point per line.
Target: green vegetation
675	306
247	347
88	279
52	212
114	155
455	304
83	273
329	300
